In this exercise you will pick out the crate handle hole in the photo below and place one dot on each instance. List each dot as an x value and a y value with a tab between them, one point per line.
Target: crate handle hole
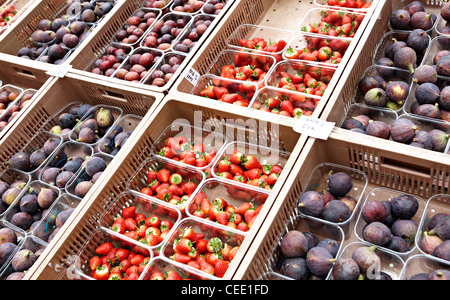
405	167
24	73
108	95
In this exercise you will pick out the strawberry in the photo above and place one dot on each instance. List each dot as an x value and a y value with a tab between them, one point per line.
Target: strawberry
214	245
233	252
137	260
176	190
221	268
201	246
272	179
205	206
240	178
175	179
213	212
164	194
236	169
183	246
122	254
95	262
206	267
118	227
130	224
140	219
220	202
115	276
129	212
226	252
102	272
151	176
277	169
286	105
223	217
166	225
163	175
153	230
242	226
153	221
181	258
189	188
167	152
224	166
194	264
253	174
249	214
172	275
243	208
251	162
212	258
153	240
104	248
157	276
190	234
236	158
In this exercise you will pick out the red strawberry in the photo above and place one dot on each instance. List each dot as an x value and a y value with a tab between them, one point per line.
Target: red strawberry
181	258
102	272
242	226
183	246
224	166
189	188
176	190
151	176
233	252
206	267
153	221
95	262
190	234
157	276
130	224
122	254
104	248
205	206
220	202
236	158
153	240
175	179
214	245
251	162
118	227
272	179
221	268
277	169
129	212
137	260
194	264
167	152
172	275
213	212
243	208
223	217
166	225
163	175
253	174
236	169
201	246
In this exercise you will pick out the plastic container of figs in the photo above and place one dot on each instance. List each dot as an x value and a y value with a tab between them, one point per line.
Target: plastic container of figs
82	176
380	263
440	25
266	156
94	65
228	235
318	182
438	44
385	194
120	132
373	113
422	267
11	179
218	11
177	6
165	70
16	270
52	122
315	231
16	237
430	7
212	141
67	159
161	265
148	206
437	207
55	217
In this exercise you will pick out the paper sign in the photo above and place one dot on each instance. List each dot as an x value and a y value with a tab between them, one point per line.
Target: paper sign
59	71
193	77
314	127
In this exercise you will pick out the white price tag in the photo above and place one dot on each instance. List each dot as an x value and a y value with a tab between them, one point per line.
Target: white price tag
59	71
314	127
193	76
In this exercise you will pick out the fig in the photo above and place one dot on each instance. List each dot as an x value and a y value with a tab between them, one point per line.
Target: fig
377	233
406	58
83	110
346	269
20	161
46	197
50	145
23	260
382	70
374	211
403	130
67	120
397	91
442	229
11	195
94	165
395	46
330	245
29	204
37	158
428	93
340	184
440	275
439	55
400	20
367	259
120	139
352	123
378	129
311	204
63	178
363	119
397	244
294	244
429	242
63	216
368	83
414	7
7	235
82	188
440	139
22	220
49	175
16	276
436	219
422	20
425	73
376	97
105	118
72	165
312	239
319	261
445	12
443	66
429	111
350	202
87	136
91	123
443	251
6	250
96	177
337	212
55	52
404	207
295	268
420	276
424	138
405	229
444	100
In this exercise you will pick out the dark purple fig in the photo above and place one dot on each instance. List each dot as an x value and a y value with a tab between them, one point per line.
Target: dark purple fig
406	58
374	211
363	119
336	212
94	165
397	244
295	268
46	197
358	130
403	130
422	20
7	235
23	260
22	220
440	139
368	83
414	7
445	12
96	177
49	175
10	195
381	82
340	184
378	129
311	204
429	111
37	158
397	91
443	66
425	73
319	261
87	136
443	251
20	161
312	239
404	207
396	45
345	268
330	245
428	93
400	20
120	139
294	244
377	233
420	276
429	242
105	118
376	97
350	202
16	276
439	55
424	138
352	123
406	229
440	275
4	186
6	250
327	196
50	145
63	179
55	52
444	100
91	123
83	188
72	166
63	216
442	229
436	219
29	204
67	120
367	259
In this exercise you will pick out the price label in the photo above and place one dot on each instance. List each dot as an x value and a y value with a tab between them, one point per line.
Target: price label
313	127
193	76
59	71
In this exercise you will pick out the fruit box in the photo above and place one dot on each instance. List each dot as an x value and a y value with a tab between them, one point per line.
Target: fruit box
234	125
270	14
394	168
98	42
421	264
